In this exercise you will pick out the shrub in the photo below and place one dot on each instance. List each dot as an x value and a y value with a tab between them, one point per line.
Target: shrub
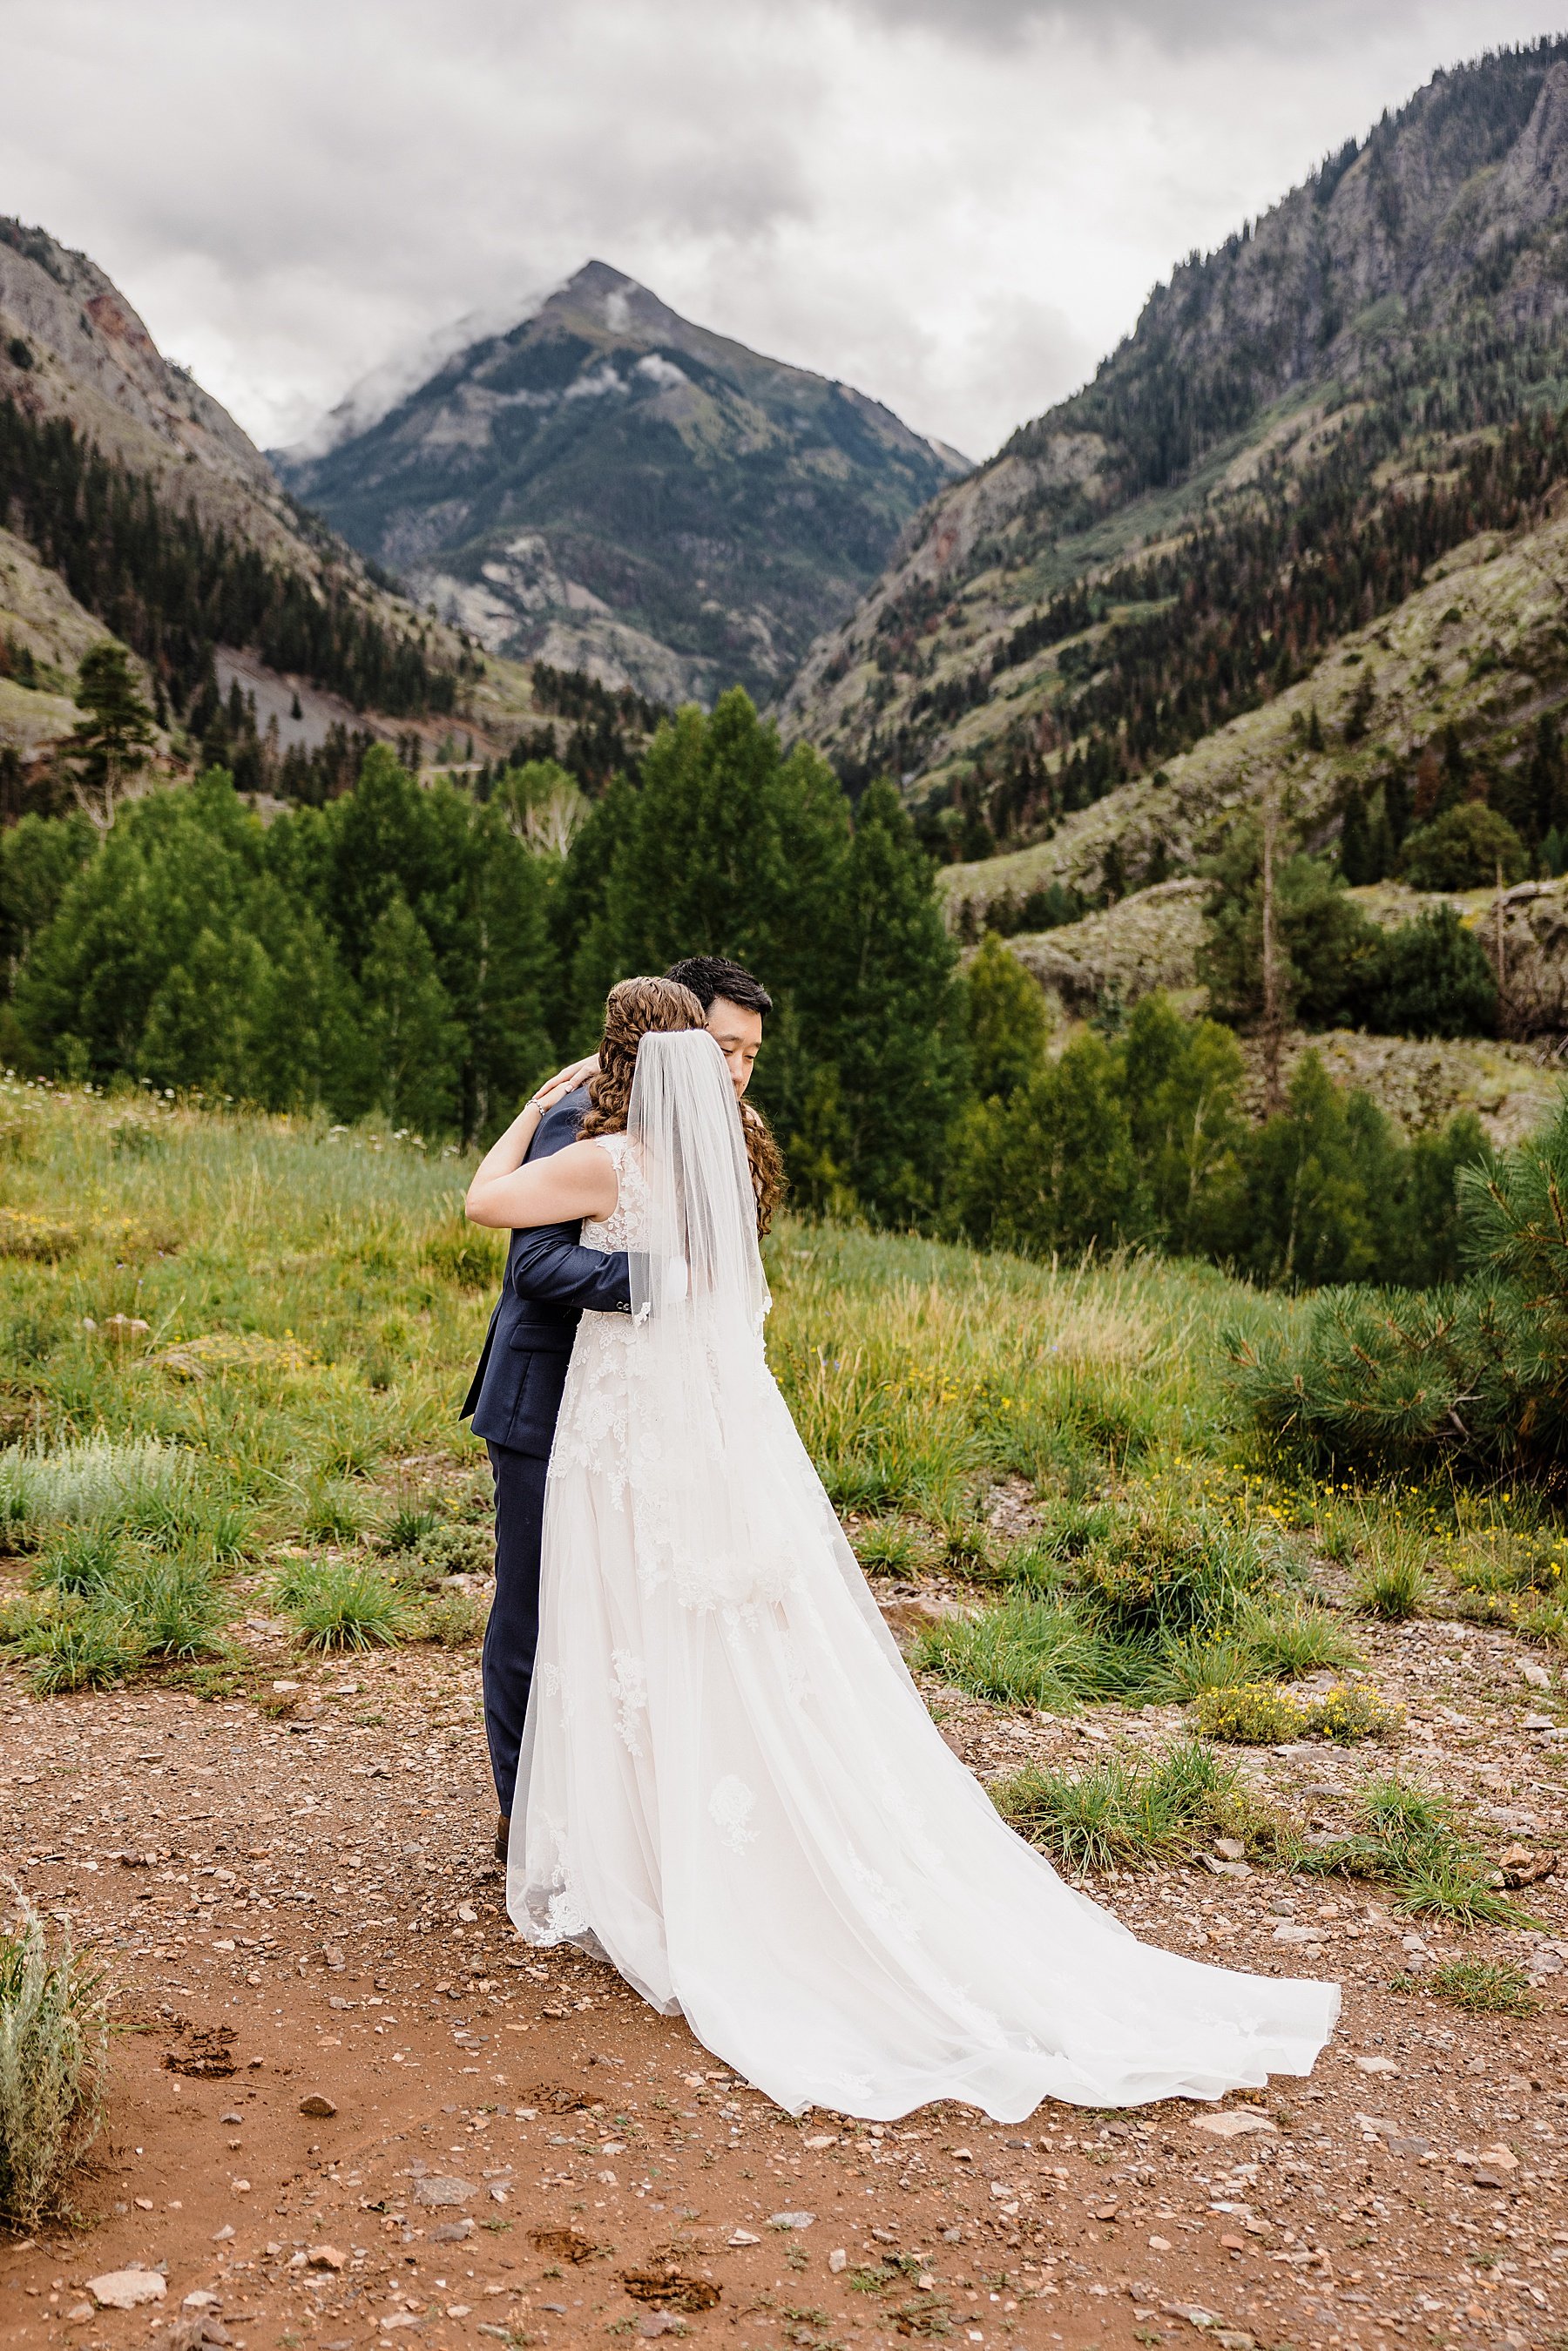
52	2044
1252	1714
1121	1813
94	1480
1259	1714
1158	1576
452	1619
344	1603
1352	1711
1463	849
454	1551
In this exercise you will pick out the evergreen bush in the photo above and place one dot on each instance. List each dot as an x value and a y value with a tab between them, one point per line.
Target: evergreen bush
1473	1377
1433	980
1463	850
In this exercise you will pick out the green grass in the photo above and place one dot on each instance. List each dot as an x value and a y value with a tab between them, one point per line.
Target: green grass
344	1603
52	2038
1121	1814
1392	1582
1410	1838
69	1642
315	1305
1484	1987
1026	1652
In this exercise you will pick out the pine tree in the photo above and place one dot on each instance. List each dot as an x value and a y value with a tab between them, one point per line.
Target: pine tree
886	1014
415	1042
1064	1174
1435	980
108	747
1007	1021
1454	784
1355	856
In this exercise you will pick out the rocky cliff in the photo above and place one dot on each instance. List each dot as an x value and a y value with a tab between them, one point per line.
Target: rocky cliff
1346	350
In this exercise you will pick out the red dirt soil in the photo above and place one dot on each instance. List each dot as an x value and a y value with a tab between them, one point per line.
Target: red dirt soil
517	2151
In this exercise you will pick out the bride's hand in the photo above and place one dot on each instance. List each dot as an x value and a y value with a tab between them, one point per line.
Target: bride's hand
566	1081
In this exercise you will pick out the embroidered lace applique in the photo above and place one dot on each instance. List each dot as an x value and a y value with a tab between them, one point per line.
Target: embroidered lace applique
730	1808
554	1914
629	1691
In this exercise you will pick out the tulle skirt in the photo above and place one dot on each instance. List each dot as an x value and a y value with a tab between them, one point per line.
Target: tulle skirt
731	1788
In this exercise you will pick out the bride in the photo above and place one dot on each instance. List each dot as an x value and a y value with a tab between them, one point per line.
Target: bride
729	1784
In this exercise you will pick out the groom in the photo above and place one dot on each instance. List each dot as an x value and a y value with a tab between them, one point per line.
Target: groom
514	1395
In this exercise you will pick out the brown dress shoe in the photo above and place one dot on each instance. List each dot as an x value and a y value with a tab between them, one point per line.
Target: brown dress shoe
503	1836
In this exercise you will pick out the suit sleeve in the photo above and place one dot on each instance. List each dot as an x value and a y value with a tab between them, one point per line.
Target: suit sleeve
547	1264
550	1267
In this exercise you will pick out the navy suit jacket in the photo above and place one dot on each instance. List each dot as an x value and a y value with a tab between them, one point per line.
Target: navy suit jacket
515	1395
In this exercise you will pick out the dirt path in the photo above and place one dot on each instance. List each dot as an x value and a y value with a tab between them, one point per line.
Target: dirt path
425	2125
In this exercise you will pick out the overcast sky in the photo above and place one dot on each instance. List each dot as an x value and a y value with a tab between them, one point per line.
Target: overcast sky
956	204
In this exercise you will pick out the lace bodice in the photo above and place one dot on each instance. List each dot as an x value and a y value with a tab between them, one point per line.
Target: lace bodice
623	1227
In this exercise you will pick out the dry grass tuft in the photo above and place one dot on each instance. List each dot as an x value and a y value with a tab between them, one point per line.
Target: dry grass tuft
52	2038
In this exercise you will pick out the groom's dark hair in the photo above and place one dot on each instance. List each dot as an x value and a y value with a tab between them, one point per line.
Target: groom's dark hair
711	976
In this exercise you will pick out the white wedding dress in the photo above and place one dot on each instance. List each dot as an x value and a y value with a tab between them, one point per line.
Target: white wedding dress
729	1784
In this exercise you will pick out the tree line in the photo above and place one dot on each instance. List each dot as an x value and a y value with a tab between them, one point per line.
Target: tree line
173	587
1169	649
413	950
1143	1137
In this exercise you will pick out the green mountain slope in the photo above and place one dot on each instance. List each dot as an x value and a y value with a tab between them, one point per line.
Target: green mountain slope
133	505
1098	642
605	485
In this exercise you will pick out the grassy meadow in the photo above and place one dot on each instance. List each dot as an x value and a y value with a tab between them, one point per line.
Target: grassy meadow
232	1349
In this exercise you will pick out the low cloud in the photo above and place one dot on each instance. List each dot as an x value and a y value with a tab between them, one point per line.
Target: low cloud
956	205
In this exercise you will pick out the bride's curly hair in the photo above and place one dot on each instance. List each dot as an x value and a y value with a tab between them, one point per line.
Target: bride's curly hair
633	1009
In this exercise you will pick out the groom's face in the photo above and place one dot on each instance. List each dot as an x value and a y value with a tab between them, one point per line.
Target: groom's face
739	1034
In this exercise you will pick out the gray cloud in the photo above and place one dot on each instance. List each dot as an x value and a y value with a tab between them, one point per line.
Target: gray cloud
958	207
1178	28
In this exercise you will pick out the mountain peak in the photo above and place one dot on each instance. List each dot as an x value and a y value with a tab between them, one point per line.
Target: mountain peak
592	480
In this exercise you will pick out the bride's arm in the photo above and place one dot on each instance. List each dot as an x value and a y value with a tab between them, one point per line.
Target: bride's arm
577	1182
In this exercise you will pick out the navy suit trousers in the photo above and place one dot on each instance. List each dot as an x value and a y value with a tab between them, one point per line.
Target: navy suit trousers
513	1632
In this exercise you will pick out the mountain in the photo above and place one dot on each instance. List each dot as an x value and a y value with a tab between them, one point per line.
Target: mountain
1300	530
605	486
133	506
